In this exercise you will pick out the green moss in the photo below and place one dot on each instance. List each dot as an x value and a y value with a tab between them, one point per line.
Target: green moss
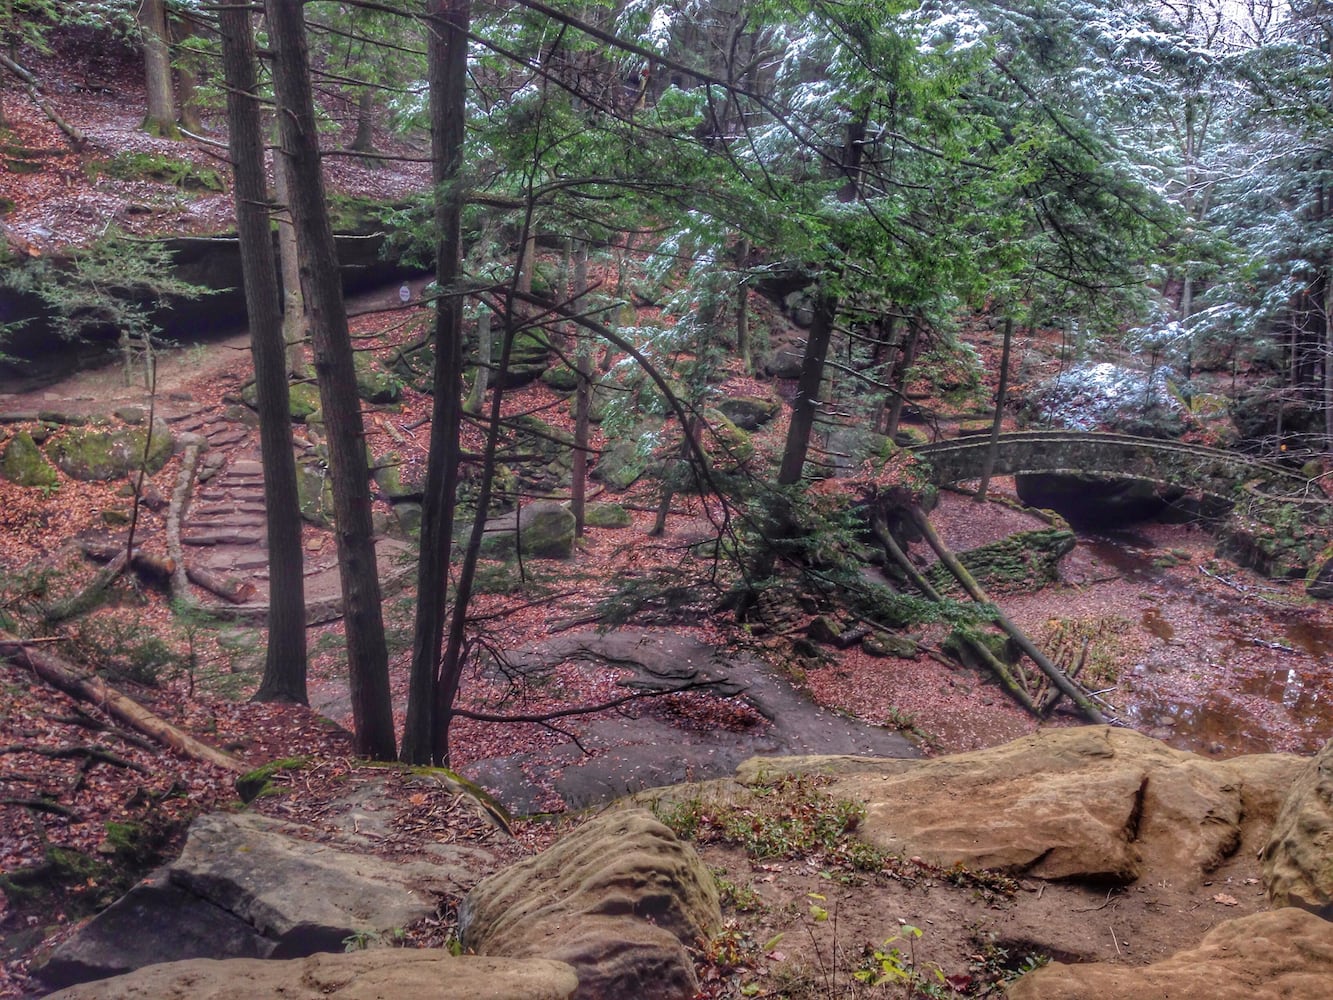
255	783
25	465
156	167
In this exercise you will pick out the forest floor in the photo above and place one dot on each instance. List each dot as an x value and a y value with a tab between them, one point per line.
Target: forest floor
1199	653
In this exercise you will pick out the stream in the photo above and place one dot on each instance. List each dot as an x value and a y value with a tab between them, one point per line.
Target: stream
1220	669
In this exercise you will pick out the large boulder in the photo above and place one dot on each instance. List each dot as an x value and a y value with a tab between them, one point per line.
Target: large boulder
620	900
749	412
248	886
1279	955
1092	803
1298	860
366	975
89	454
24	464
541	530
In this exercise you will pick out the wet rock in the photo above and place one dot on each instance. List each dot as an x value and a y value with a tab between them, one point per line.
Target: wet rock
24	464
620	899
1286	954
1094	803
369	975
1298	860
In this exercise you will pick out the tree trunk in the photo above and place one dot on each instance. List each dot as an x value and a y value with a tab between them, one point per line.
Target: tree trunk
365	122
743	306
295	326
583	402
367	651
1000	393
806	405
1328	360
905	362
187	89
425	737
161	116
484	350
285	659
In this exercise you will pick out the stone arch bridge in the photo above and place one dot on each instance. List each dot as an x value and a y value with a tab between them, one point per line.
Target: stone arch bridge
1264	489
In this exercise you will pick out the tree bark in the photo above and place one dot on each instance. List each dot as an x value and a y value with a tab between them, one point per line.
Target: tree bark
484	350
161	116
365	121
425	735
905	362
806	405
295	326
187	83
1000	393
743	306
367	650
578	491
285	661
65	676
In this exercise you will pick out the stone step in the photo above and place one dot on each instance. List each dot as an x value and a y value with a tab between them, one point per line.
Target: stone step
224	536
224	437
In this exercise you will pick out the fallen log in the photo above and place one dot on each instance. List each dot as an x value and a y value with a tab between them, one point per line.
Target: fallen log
90	596
180	499
1057	676
65	676
227	587
996	666
159	568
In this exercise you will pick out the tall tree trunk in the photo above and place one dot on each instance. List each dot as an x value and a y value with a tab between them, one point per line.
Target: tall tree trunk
425	737
806	405
285	660
187	84
161	116
1000	393
905	362
365	122
295	325
583	401
743	306
367	652
1328	359
485	349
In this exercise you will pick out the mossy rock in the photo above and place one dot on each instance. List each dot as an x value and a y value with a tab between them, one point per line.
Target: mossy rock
1319	579
375	385
399	482
1026	561
302	399
25	465
315	490
91	455
408	517
597	406
621	466
543	530
749	412
416	368
607	515
528	359
561	378
910	437
884	644
727	444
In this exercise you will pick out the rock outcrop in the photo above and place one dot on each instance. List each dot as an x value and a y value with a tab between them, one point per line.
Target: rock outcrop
1286	954
619	900
370	975
1298	860
246	886
1093	803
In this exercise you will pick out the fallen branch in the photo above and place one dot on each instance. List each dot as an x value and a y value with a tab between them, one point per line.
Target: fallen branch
227	587
91	753
43	805
1057	676
77	140
978	648
90	596
156	567
68	678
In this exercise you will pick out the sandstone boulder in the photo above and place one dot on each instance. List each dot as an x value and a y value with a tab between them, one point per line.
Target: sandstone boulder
89	454
246	886
370	975
1298	859
1285	954
25	465
1094	802
541	530
619	900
